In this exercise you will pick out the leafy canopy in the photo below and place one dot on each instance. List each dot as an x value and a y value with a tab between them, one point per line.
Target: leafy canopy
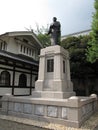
41	33
80	67
92	50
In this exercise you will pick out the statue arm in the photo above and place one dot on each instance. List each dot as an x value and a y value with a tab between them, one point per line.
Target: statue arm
50	30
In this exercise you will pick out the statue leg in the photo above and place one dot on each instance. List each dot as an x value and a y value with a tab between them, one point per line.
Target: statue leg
55	39
52	41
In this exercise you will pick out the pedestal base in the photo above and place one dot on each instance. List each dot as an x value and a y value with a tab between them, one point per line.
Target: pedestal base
54	85
69	112
51	94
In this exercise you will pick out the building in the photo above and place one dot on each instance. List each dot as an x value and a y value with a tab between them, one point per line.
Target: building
18	62
85	32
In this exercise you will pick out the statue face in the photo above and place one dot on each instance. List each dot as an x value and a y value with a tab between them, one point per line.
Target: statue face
54	19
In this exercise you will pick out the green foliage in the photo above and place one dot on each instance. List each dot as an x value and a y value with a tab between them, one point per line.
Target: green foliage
42	35
92	50
80	67
44	39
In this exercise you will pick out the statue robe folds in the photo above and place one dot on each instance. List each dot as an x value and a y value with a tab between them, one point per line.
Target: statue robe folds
55	32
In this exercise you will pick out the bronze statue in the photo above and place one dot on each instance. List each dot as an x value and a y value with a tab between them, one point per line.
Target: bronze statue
55	32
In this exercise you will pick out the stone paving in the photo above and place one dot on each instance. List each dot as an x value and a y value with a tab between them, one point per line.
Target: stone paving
90	124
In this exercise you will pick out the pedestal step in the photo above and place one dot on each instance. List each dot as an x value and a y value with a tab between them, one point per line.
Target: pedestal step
51	94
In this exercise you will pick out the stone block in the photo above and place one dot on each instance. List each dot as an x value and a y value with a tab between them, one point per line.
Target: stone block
83	110
27	108
64	113
39	85
18	107
73	114
39	110
11	106
52	111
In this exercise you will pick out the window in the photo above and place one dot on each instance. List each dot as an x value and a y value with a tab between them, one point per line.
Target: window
23	80
63	66
24	49
21	48
3	45
27	51
50	65
5	78
32	52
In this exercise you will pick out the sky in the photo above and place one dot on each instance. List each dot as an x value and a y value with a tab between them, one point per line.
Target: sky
20	15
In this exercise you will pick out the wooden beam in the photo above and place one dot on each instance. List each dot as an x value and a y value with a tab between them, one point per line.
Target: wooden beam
13	82
31	82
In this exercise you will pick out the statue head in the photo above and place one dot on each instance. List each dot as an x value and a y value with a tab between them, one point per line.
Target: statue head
54	19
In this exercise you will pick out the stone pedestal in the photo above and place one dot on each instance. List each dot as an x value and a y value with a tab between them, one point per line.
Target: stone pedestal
52	101
54	74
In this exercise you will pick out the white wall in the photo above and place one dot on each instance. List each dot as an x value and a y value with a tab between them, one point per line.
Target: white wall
12	46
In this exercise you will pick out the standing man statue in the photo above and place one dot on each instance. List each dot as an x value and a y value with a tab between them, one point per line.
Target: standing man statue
55	31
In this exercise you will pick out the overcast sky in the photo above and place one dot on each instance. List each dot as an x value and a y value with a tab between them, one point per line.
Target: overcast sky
17	15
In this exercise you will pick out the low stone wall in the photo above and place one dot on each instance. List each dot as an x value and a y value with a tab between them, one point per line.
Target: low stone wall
70	112
9	123
16	123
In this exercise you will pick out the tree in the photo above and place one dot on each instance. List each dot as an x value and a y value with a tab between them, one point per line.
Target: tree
92	50
41	33
77	48
44	39
82	71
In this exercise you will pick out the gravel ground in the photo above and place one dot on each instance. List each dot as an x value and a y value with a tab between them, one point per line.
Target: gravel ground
91	123
96	128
